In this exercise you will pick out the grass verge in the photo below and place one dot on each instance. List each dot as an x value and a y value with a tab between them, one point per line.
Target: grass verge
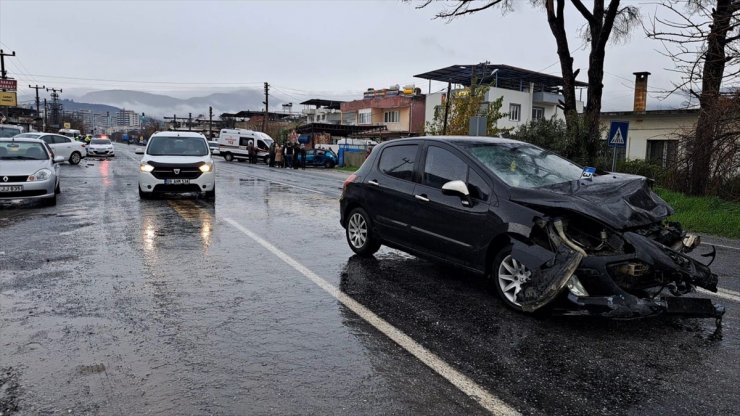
704	214
349	169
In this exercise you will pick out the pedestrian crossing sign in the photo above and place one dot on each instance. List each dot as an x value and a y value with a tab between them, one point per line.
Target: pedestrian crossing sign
618	133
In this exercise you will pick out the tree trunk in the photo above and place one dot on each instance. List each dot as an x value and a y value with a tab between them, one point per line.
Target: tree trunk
713	71
556	20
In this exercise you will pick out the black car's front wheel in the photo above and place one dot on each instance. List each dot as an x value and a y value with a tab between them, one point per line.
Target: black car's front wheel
508	276
359	233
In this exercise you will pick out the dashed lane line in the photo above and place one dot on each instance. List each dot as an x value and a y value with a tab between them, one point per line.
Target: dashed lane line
722	293
487	400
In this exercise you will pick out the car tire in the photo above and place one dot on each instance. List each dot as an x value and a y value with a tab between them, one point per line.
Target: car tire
50	202
228	157
57	189
329	164
144	195
211	195
359	233
507	276
75	158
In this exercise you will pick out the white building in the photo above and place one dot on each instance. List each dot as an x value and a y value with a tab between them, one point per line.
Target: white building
128	118
652	134
322	111
527	95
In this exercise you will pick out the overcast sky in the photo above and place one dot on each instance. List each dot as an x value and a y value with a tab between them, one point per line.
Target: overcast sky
304	49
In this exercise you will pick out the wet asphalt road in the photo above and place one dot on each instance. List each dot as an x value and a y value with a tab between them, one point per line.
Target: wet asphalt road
111	305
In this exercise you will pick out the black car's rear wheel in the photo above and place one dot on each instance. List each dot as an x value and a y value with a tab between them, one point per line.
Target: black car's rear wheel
359	233
508	276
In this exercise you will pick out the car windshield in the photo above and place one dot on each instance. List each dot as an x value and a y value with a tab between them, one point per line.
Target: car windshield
100	141
22	151
177	146
524	165
9	131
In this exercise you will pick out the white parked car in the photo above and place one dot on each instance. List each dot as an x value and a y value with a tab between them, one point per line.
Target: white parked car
28	170
176	162
100	147
71	150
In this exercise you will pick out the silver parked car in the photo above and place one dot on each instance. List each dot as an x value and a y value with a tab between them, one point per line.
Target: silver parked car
28	170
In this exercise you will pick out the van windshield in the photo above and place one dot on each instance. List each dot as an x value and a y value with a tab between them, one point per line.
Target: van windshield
9	131
177	146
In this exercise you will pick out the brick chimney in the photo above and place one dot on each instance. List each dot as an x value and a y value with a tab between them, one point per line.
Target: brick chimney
640	91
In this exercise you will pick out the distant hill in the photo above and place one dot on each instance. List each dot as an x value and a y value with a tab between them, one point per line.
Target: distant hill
156	105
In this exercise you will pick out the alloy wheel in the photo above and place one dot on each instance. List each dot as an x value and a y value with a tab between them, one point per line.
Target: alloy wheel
511	276
357	230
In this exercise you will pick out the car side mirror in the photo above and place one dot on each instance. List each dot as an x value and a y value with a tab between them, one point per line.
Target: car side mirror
58	159
139	151
458	188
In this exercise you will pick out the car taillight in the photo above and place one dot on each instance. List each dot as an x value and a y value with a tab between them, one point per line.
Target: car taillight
348	181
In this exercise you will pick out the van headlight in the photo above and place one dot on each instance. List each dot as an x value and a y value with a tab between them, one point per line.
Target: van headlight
145	167
40	175
206	167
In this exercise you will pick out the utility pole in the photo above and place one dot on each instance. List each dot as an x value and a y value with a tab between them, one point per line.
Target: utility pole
46	111
55	106
447	108
267	106
38	103
174	121
190	120
210	122
3	73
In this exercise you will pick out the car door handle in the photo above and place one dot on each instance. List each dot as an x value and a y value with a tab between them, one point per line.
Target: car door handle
373	182
422	197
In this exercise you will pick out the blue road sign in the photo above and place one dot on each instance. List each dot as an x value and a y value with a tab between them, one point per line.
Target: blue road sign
618	133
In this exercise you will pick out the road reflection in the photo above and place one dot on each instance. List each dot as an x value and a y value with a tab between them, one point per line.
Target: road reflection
171	224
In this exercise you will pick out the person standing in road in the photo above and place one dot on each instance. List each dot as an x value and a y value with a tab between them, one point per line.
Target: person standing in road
296	153
289	155
279	155
251	152
303	156
271	156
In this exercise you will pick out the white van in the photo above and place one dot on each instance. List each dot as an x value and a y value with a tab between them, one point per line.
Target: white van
232	144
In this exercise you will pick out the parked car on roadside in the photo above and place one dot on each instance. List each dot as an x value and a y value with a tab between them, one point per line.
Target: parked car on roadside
101	147
214	147
176	162
321	157
546	231
71	150
28	170
10	130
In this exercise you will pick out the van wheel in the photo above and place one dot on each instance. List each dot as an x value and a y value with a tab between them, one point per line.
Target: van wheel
228	157
75	158
211	195
359	233
144	195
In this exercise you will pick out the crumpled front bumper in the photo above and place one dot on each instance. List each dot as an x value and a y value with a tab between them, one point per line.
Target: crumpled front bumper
670	273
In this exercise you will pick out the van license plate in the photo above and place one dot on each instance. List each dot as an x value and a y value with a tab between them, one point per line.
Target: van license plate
177	181
13	188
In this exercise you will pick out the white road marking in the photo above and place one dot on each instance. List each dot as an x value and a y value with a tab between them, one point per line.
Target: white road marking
487	400
722	293
719	245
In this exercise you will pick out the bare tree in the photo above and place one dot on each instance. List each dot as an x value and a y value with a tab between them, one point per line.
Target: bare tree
702	38
601	23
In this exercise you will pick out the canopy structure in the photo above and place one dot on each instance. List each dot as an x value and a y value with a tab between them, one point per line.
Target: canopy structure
250	113
501	76
330	104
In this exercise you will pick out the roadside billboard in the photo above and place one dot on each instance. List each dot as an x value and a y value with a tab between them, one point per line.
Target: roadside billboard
8	99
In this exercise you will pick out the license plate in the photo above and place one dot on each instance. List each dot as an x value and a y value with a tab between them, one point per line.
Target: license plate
177	181
13	188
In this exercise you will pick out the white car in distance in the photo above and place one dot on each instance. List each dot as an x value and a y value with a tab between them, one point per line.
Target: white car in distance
101	147
176	162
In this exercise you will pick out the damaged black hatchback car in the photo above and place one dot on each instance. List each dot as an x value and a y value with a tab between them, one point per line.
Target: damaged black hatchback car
547	231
